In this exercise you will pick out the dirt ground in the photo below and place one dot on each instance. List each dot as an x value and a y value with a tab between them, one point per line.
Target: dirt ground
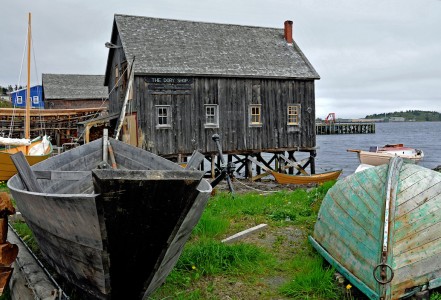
264	186
284	241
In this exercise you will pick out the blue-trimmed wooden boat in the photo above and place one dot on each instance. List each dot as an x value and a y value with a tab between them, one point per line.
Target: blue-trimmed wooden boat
380	228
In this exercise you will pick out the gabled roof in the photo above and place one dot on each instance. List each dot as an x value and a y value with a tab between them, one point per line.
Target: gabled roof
37	86
72	87
164	46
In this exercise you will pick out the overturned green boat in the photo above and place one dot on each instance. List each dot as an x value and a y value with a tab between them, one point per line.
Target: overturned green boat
380	229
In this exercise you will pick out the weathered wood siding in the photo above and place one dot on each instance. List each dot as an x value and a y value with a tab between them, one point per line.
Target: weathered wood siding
116	97
74	104
233	97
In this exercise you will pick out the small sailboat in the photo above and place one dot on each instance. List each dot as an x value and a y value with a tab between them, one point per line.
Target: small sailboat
35	150
380	229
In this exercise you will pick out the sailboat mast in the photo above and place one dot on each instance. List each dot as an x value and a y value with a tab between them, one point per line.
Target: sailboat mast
28	90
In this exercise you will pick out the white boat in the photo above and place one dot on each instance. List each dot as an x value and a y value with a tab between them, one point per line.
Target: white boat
381	155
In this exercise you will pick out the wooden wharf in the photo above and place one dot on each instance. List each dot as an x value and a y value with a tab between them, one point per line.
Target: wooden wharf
344	128
60	124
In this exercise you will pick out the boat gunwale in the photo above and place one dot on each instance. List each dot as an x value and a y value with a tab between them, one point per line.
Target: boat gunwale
371	294
10	185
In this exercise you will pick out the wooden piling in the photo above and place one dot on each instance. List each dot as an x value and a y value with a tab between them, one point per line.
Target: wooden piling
345	128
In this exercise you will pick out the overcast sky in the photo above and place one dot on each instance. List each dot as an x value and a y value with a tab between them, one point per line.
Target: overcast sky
373	56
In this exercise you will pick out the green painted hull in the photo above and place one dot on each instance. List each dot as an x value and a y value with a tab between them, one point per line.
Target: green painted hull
388	214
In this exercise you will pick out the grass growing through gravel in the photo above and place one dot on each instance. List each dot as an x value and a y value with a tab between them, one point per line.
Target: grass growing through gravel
270	265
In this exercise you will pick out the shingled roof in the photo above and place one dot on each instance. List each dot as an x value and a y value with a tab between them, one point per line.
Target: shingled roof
72	87
164	46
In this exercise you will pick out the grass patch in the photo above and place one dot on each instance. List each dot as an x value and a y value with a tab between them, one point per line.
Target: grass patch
26	234
3	186
274	265
210	257
317	283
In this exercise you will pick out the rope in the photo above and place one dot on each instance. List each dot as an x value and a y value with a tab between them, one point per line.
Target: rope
11	129
252	188
42	127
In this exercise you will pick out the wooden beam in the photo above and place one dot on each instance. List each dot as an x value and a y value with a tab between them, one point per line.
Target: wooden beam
20	112
24	171
244	234
61	175
195	161
294	164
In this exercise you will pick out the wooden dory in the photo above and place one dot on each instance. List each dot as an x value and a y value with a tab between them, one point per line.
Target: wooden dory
113	233
283	178
305	179
380	229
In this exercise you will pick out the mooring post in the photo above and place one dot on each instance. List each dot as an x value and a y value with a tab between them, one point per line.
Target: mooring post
312	155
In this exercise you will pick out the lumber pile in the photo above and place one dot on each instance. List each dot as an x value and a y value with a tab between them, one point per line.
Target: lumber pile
8	251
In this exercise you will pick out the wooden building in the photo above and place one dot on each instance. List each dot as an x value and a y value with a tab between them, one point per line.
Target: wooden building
59	124
18	97
68	91
251	85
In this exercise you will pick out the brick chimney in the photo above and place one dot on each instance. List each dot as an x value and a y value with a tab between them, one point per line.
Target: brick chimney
288	32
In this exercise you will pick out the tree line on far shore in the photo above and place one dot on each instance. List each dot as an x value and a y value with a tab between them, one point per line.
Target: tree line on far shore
10	88
409	115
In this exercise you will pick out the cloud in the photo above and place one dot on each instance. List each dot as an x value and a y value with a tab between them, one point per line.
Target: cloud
372	56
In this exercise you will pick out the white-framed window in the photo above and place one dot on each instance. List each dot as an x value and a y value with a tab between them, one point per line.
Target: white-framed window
163	116
293	114
35	99
211	116
19	100
255	115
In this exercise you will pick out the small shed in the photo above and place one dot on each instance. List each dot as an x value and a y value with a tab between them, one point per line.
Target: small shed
251	85
70	91
18	97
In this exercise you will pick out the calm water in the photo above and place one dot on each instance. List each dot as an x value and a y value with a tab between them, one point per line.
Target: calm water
332	153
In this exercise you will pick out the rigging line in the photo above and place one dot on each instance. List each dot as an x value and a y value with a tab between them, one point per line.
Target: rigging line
42	128
252	188
11	128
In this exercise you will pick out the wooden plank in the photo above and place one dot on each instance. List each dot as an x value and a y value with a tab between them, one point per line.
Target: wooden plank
8	254
195	161
141	156
60	175
6	206
3	229
260	176
258	163
5	275
294	164
25	172
243	234
82	186
47	112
